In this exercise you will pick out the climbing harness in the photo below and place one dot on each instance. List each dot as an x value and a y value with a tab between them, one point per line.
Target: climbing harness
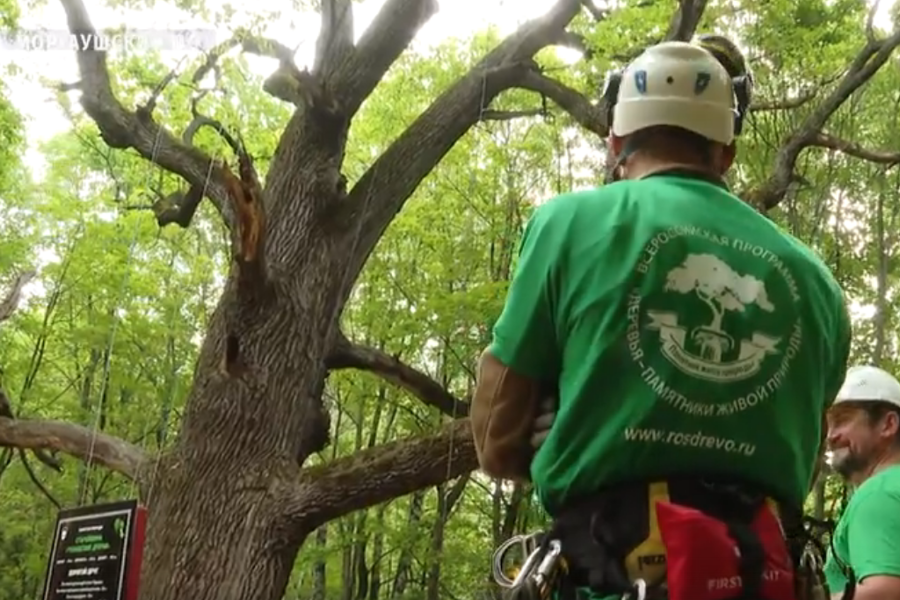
656	540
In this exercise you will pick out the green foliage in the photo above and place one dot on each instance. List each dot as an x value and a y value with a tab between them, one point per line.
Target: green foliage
109	334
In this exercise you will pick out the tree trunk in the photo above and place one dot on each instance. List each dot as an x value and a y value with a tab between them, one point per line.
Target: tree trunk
254	410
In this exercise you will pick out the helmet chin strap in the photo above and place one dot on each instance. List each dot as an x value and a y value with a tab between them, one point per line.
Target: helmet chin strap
613	174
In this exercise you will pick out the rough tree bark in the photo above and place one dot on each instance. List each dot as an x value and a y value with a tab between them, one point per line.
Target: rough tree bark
232	503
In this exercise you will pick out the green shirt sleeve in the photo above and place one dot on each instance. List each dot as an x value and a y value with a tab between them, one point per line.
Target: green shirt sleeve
525	334
873	540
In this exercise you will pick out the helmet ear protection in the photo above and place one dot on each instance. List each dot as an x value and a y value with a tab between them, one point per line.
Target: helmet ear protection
742	85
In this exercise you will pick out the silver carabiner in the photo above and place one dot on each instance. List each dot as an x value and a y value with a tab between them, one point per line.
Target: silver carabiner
528	545
526	569
544	572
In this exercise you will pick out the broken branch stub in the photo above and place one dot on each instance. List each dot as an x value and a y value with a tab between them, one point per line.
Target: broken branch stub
248	241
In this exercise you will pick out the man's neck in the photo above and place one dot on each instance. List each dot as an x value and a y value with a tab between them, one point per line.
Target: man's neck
889	458
640	166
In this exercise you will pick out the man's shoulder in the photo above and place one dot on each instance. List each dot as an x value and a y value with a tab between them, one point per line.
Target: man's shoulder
562	213
884	484
570	200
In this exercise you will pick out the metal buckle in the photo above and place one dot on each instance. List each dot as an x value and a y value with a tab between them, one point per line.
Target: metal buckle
638	591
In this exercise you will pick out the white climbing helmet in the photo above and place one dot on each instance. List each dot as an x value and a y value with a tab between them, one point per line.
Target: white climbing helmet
677	84
869	384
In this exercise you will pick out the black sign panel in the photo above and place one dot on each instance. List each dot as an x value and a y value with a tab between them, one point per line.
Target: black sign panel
89	556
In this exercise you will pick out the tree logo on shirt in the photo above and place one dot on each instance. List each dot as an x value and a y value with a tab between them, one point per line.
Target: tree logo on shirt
722	289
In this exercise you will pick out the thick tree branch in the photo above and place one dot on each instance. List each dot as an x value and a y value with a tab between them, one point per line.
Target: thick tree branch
682	26
575	41
786	103
383	189
121	128
382	43
598	13
826	140
75	440
179	207
871	58
510	115
373	476
684	21
10	303
335	35
346	355
588	115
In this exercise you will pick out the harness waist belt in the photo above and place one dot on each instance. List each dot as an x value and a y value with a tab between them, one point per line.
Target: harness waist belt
612	539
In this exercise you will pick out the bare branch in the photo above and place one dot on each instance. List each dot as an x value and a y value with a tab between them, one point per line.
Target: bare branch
825	140
37	480
75	440
685	20
598	13
347	355
786	103
121	128
871	58
251	44
373	476
10	303
198	121
588	115
150	105
682	27
389	34
383	189
509	115
335	35
574	41
178	207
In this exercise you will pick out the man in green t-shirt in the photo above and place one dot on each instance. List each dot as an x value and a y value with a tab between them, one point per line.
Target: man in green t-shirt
864	438
684	333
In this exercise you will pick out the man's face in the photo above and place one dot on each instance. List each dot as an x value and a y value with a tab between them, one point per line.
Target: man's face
857	441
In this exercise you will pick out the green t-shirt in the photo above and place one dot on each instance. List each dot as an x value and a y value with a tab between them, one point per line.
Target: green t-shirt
687	334
867	538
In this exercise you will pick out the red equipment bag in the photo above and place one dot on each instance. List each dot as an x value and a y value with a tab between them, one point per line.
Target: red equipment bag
703	561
